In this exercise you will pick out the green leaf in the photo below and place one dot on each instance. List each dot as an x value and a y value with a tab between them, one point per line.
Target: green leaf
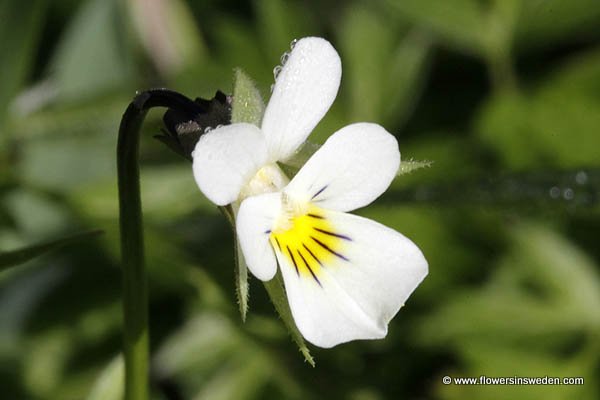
545	287
236	44
203	340
525	129
19	32
248	105
365	43
110	383
93	56
210	349
278	297
279	22
543	23
407	72
459	23
564	269
15	257
177	44
45	363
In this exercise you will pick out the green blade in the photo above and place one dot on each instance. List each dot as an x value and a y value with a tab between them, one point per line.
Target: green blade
15	257
278	297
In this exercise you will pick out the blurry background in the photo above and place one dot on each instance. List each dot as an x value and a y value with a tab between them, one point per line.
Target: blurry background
503	96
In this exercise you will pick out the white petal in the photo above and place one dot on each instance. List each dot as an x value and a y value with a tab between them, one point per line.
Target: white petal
254	222
226	158
356	292
303	92
354	167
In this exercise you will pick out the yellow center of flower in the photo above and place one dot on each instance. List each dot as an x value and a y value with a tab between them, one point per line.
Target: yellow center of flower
309	241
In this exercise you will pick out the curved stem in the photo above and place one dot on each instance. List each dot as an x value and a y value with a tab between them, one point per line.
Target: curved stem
135	287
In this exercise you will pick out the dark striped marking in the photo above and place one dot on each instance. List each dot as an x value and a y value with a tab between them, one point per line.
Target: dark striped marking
267	231
293	260
308	266
278	244
337	235
323	245
312	254
319	192
316	216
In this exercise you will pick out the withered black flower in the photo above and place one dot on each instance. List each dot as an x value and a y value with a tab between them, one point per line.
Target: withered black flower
185	125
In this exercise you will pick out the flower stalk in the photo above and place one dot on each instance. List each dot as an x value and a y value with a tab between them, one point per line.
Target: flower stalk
135	281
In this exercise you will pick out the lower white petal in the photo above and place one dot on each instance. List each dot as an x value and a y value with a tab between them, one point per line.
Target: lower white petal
346	276
253	224
226	159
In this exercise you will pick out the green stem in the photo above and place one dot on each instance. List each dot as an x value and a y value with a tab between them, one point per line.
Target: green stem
135	285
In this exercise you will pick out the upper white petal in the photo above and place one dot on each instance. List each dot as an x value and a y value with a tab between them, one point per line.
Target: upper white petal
355	297
226	158
253	224
354	167
303	92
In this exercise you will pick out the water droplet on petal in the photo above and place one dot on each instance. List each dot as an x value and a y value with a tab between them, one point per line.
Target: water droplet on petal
276	71
293	43
555	192
284	57
208	129
568	194
272	87
581	178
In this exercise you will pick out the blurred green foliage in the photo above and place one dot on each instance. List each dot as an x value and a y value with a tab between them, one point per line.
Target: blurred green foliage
484	88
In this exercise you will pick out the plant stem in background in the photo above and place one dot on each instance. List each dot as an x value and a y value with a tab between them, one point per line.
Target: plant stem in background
135	286
572	190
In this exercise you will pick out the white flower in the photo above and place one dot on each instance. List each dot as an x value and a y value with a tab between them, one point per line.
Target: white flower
240	159
345	276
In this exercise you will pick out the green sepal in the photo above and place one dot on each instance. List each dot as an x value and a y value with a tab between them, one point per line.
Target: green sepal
408	166
279	299
15	257
241	279
242	292
248	105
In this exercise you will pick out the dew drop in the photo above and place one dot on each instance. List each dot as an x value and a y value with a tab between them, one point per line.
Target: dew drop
276	71
581	178
293	43
284	57
193	153
555	192
568	194
208	129
272	87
